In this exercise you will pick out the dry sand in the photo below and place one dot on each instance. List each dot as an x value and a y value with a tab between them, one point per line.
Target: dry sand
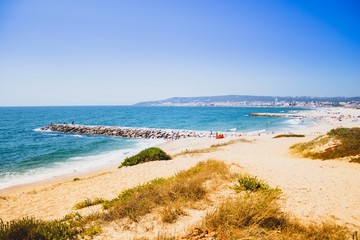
313	190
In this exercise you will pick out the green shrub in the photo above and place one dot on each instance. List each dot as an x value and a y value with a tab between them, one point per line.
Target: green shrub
91	231
147	155
251	184
32	229
88	202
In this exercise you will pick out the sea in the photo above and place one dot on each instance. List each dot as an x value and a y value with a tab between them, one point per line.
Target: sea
28	155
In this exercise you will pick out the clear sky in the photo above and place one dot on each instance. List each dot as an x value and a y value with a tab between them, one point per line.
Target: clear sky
96	52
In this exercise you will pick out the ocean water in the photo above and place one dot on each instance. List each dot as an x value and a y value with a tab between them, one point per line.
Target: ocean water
28	155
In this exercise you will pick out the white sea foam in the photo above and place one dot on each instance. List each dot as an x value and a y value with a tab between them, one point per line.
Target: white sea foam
295	124
79	164
78	136
41	130
294	121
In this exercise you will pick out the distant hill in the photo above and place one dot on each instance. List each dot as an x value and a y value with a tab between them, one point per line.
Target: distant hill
245	99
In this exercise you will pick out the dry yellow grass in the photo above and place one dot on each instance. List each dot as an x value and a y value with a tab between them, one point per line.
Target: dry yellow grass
212	148
88	202
255	214
184	189
338	143
258	216
289	135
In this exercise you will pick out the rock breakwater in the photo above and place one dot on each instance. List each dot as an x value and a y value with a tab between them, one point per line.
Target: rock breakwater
129	132
288	115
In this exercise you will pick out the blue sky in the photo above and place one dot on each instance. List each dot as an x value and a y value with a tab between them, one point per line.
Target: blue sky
94	52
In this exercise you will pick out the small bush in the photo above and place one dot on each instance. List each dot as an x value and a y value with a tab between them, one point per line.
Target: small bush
76	179
147	155
171	214
251	184
289	135
88	202
91	231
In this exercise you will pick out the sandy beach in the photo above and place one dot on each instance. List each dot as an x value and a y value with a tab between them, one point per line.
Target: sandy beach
312	190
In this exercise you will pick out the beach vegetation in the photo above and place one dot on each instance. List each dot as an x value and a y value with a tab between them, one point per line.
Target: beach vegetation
338	143
76	179
252	213
170	214
147	155
212	148
289	135
91	231
255	213
252	184
72	226
33	229
258	215
171	194
88	202
233	141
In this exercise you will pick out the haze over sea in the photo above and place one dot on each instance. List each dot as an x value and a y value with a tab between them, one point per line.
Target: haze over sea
28	155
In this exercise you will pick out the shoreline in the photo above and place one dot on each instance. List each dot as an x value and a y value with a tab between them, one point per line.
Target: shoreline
318	126
310	191
82	166
66	172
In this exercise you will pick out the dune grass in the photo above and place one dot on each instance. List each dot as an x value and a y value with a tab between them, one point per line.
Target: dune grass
255	214
338	143
288	135
230	142
169	196
171	213
258	216
32	229
147	155
212	148
88	202
72	226
184	189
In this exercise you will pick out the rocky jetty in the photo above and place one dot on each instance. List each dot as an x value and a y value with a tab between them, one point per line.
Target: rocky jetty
289	115
128	132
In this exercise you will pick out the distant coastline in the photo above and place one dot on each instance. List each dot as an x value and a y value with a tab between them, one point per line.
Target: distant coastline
255	101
